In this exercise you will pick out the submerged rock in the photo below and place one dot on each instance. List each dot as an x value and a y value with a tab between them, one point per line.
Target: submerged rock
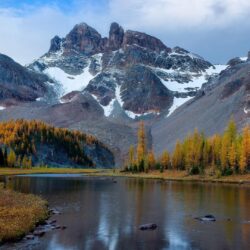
54	211
150	226
29	237
206	218
39	233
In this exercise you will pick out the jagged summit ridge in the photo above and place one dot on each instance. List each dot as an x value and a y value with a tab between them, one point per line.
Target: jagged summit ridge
86	40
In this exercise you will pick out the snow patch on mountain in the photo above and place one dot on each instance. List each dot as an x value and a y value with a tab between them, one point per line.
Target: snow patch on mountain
133	115
2	108
68	82
109	108
246	111
177	103
244	58
195	83
118	95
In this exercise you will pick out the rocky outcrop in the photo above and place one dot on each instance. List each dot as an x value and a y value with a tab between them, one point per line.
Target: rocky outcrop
55	44
144	40
143	92
116	35
234	61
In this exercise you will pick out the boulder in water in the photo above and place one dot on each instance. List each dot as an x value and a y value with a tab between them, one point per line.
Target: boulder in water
150	226
206	218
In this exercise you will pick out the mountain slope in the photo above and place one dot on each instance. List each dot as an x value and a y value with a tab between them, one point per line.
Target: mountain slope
19	84
225	96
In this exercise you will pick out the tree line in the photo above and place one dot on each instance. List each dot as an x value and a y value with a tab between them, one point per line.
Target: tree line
223	154
20	141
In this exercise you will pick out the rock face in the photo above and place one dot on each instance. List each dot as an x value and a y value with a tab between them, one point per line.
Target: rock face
144	92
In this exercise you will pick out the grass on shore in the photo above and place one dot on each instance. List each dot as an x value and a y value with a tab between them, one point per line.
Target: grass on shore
179	176
19	214
41	170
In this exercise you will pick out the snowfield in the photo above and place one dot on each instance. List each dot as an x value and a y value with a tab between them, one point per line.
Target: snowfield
68	82
197	80
177	103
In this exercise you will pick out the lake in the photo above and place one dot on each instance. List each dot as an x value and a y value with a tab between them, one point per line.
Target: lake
103	214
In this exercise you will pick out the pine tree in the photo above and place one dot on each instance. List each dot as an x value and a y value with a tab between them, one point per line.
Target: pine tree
141	146
151	160
11	159
245	150
231	130
233	157
177	157
131	162
225	146
165	160
25	162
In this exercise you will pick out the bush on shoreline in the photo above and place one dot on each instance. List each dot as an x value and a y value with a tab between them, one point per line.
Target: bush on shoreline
19	214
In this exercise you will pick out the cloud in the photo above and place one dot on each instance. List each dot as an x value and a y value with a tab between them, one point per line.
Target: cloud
181	13
25	32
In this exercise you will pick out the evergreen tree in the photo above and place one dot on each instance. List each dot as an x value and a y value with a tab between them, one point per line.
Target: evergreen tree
131	162
177	157
233	157
141	146
165	160
151	160
11	159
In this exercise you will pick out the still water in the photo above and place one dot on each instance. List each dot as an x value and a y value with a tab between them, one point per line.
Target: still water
102	214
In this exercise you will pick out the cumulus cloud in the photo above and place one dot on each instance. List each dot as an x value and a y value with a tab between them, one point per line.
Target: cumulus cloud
223	24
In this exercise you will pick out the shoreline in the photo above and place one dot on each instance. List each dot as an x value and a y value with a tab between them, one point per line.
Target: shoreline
168	175
181	176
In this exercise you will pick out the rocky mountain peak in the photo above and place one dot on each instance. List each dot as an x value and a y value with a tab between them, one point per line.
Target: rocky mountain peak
83	39
116	34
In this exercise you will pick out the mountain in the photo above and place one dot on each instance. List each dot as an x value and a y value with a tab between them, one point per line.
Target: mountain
104	85
130	74
224	96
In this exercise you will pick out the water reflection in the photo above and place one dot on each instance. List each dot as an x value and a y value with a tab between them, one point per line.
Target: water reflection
100	214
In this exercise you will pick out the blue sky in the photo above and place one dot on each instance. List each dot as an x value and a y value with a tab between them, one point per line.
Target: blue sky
215	29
